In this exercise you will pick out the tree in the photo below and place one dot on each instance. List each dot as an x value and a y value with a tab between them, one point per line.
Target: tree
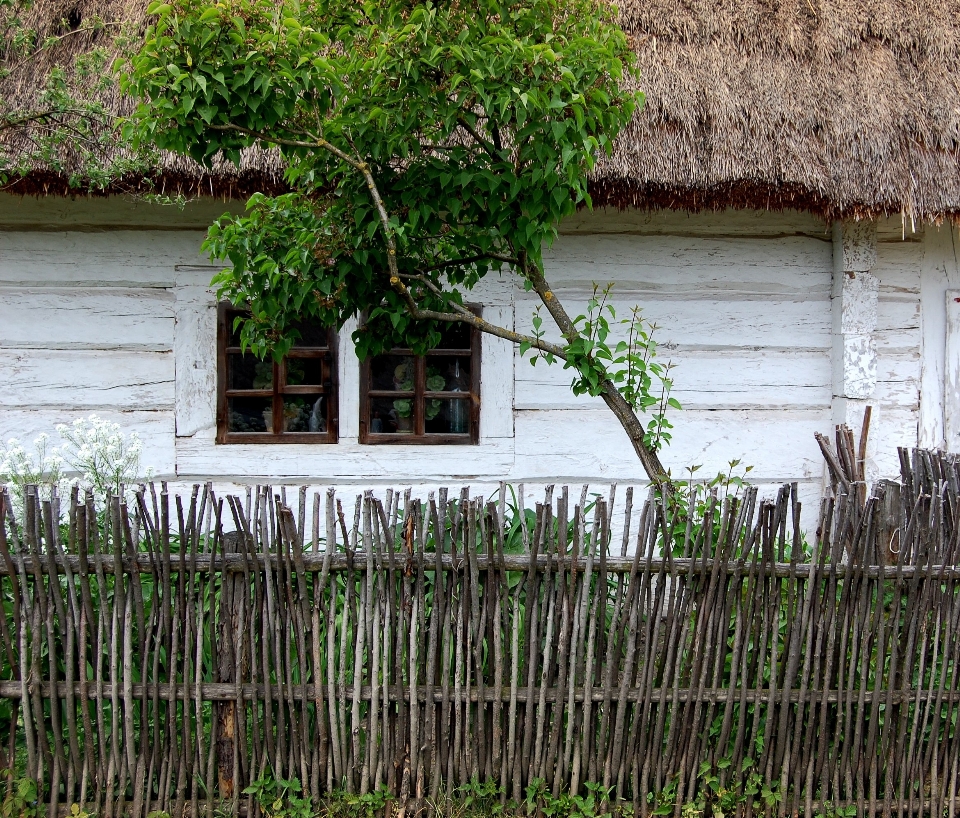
427	145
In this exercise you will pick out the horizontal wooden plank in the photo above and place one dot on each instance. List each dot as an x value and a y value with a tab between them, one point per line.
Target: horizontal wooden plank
200	458
702	380
710	322
155	429
578	444
891	426
86	318
86	379
897	314
101	212
898	266
691	265
315	562
230	692
119	258
704	223
898	379
899	229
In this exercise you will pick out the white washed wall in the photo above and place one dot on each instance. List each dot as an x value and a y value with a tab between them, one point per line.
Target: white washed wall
105	307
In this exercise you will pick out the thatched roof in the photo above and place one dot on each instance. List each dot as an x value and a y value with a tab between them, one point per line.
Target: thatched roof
832	106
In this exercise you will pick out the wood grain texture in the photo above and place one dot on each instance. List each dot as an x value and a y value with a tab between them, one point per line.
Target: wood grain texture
87	379
703	379
112	258
86	318
595	446
675	264
709	223
107	212
714	322
155	429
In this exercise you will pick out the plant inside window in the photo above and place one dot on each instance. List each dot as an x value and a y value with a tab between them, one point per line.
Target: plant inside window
432	398
292	400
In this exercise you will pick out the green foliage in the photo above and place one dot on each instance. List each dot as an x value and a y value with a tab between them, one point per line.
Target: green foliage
829	810
343	804
629	363
426	144
539	801
479	123
22	799
695	501
718	793
281	798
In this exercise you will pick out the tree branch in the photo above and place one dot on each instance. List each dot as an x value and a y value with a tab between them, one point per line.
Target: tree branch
471	259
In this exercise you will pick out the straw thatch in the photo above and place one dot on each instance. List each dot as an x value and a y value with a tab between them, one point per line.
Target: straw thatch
833	106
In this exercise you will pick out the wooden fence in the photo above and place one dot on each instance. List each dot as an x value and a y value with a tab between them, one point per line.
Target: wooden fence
165	654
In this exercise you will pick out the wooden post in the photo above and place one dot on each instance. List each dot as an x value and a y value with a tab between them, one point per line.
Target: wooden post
854	306
231	601
888	547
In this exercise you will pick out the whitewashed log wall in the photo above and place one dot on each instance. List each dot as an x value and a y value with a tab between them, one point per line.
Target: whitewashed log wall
104	307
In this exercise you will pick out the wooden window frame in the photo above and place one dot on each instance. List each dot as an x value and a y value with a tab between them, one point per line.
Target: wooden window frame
420	437
279	389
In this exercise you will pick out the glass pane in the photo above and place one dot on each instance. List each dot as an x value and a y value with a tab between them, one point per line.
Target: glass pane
311	335
455	336
304	371
305	413
391	416
448	373
249	372
392	372
447	416
250	414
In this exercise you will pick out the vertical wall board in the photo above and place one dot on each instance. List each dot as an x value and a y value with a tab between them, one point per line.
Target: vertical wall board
195	352
951	379
940	273
497	377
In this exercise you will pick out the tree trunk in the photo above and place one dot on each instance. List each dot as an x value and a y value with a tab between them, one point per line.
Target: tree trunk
611	395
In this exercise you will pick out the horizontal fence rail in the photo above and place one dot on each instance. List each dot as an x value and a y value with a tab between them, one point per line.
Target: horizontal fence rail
163	653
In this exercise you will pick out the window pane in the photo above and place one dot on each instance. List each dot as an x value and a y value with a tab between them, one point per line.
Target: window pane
311	335
249	414
391	416
304	372
249	372
447	416
448	373
455	336
305	413
392	373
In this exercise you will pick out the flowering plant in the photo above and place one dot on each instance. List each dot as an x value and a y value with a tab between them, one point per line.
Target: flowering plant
106	458
21	468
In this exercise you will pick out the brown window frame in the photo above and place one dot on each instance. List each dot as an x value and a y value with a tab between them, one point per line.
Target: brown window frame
278	389
420	437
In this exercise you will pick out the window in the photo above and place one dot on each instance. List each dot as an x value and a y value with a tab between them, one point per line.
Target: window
294	401
435	398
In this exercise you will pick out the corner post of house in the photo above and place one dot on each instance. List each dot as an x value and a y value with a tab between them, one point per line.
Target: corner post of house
854	305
